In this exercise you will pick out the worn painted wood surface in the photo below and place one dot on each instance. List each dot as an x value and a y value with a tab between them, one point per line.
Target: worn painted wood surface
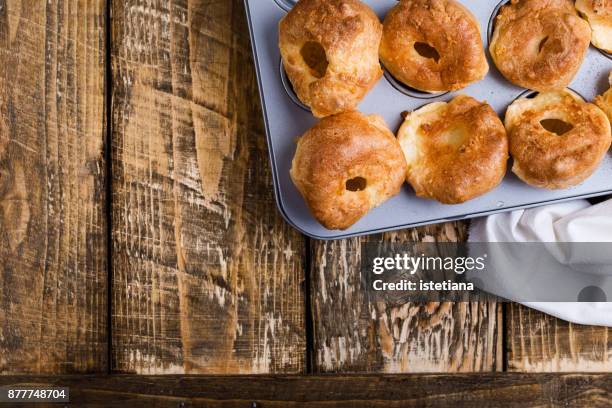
207	278
53	269
355	334
540	343
434	390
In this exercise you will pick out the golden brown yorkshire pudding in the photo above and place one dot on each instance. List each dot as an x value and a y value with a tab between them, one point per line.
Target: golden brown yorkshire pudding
605	101
455	151
557	140
346	165
433	45
540	44
330	53
599	15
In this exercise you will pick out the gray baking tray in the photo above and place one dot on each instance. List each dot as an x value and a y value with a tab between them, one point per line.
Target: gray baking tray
286	119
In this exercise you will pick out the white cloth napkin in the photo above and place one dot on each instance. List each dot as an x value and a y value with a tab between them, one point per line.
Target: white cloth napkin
575	221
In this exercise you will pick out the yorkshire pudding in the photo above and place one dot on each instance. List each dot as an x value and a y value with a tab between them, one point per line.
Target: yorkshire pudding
540	44
346	165
557	140
330	53
455	151
433	45
599	15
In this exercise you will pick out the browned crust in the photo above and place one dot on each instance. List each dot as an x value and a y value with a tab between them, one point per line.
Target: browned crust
546	160
445	25
350	33
454	173
338	149
520	29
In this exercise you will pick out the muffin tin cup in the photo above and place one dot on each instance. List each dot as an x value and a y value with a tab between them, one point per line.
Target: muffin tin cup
286	118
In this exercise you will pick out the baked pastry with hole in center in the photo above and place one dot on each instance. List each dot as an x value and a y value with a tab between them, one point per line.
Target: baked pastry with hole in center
330	53
540	44
599	15
433	45
455	151
346	165
557	139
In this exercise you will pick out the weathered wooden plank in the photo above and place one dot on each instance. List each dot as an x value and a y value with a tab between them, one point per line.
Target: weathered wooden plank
444	390
207	277
540	343
53	269
353	334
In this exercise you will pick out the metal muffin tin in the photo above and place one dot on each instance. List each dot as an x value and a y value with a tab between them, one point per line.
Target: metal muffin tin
286	119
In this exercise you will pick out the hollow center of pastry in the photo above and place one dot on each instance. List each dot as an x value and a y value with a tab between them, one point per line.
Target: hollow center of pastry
426	51
556	126
356	184
553	45
314	56
542	44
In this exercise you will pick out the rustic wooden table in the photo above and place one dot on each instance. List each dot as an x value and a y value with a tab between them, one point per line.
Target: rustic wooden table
139	235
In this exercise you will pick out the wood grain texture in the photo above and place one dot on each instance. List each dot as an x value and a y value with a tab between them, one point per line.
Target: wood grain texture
207	278
354	334
540	343
449	390
53	270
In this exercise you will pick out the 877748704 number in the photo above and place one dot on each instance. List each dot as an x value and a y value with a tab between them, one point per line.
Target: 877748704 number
30	394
